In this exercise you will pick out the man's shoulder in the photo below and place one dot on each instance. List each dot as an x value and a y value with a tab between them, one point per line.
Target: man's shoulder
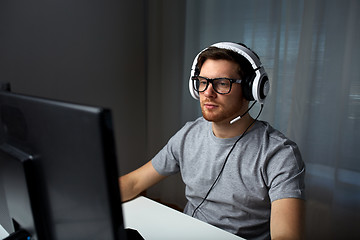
195	127
199	122
270	138
269	131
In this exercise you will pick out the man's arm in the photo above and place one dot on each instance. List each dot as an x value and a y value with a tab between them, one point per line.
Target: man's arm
287	219
135	182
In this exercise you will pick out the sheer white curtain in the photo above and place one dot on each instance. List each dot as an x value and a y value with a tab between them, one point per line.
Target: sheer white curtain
311	53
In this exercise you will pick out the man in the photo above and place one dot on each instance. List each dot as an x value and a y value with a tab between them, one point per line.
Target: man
240	174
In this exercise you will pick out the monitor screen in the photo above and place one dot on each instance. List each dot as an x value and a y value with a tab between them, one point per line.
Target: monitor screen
58	170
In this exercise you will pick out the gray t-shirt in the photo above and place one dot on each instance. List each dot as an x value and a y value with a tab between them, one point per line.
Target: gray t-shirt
263	167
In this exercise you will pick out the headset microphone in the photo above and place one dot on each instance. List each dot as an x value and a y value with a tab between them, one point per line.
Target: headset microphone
239	117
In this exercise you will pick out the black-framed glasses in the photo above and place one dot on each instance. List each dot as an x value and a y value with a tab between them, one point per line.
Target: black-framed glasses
220	85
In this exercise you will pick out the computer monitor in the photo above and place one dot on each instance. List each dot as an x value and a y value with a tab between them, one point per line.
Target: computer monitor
58	170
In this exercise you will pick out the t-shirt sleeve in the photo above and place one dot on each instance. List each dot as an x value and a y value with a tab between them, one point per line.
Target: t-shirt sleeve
285	172
170	158
165	162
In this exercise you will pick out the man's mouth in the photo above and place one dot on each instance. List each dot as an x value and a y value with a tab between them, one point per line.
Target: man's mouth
210	106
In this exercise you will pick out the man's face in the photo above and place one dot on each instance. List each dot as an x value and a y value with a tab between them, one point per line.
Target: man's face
221	108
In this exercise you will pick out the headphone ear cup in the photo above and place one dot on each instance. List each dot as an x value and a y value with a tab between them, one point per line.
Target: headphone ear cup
264	87
247	85
193	93
195	71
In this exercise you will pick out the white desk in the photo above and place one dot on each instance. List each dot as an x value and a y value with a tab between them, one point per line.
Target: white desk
3	233
155	221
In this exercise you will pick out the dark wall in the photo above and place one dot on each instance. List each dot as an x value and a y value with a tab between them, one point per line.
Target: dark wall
89	52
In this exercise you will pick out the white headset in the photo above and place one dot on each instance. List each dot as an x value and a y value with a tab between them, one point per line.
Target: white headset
255	87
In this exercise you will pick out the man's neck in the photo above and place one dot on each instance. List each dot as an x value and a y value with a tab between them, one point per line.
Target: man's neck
228	130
